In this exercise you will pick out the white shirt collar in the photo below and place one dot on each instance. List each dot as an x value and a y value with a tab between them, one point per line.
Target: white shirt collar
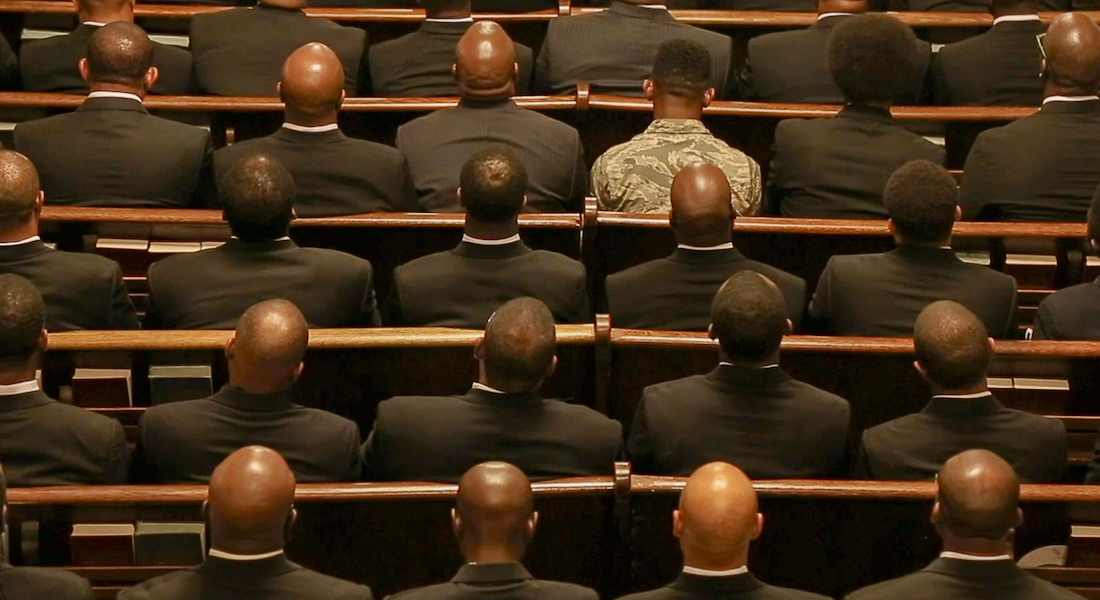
973	396
311	129
465	20
726	246
974	557
33	238
243	557
124	95
729	364
23	387
833	14
708	573
484	388
94	23
660	6
480	242
1069	99
1015	19
285	238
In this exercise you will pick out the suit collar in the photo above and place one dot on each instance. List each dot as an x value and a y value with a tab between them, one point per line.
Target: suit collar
237	398
309	137
1020	27
830	21
476	104
450	28
639	12
530	399
492	573
984	571
123	104
706	257
715	586
926	254
221	568
236	245
24	401
479	251
23	251
866	113
278	9
748	376
1071	108
974	408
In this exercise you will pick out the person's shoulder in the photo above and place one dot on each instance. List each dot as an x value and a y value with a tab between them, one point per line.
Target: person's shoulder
335	258
171	411
560	590
661	593
705	36
819	400
582	414
558	263
29	49
84	265
1042	589
773	592
29	130
572	24
170	267
777	275
771	42
397	407
367	148
325	587
888	433
170	585
643	274
439	591
219	19
427	263
682	388
549	124
171	52
902	587
175	128
1072	295
963	48
80	417
44	583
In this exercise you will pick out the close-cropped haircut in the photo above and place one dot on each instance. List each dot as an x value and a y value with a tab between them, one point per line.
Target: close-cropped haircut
494	183
952	345
921	198
119	53
871	57
257	197
749	317
520	341
22	319
19	189
682	68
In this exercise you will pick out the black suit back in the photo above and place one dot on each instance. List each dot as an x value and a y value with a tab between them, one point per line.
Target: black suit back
737	587
952	579
498	580
1070	314
997	68
32	582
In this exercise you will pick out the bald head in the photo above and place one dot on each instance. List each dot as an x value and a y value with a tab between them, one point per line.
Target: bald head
952	345
978	496
313	82
494	510
519	346
265	354
718	517
250	501
701	211
19	190
120	54
1072	46
485	63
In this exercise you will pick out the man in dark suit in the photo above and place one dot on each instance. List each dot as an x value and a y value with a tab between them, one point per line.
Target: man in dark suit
997	68
676	292
111	151
462	287
836	168
747	411
250	513
421	63
717	520
50	65
1043	167
82	291
976	5
1071	313
334	174
882	294
239	52
614	50
976	514
494	520
792	66
185	441
212	288
953	355
438	144
44	442
503	417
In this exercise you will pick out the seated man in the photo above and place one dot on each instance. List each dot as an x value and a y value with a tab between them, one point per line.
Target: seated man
421	63
1071	313
676	292
240	52
212	288
1042	167
183	441
50	64
976	513
953	355
437	144
462	287
44	442
882	294
494	520
614	50
81	290
836	168
636	176
249	513
334	174
111	151
747	411
715	524
503	417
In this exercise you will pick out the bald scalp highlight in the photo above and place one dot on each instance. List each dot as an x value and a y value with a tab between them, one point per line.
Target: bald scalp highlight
119	53
701	214
250	499
718	512
979	496
1072	46
485	62
19	188
313	80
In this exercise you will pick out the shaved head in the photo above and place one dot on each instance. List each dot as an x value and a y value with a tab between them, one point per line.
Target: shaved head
19	188
494	509
952	346
701	211
250	501
119	53
1072	46
519	346
266	351
485	63
313	81
718	516
978	496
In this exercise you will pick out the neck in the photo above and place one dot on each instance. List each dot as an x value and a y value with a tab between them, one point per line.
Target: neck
456	12
900	241
975	546
704	241
485	230
715	563
285	4
674	107
508	387
771	359
308	120
111	17
492	553
247	547
22	232
978	388
261	384
1054	89
10	375
117	87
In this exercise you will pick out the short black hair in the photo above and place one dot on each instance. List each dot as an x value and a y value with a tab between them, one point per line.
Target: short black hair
749	317
520	343
119	53
871	57
921	198
494	183
22	319
952	345
19	189
682	68
257	197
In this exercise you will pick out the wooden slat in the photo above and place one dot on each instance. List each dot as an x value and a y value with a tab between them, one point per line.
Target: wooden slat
182	11
265	104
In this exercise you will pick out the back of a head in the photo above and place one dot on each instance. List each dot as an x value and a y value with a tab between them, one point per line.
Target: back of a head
701	209
952	345
119	53
494	183
271	339
718	513
871	57
250	500
682	68
19	189
841	6
979	496
22	319
1072	46
313	80
485	62
494	503
921	198
749	317
257	197
520	343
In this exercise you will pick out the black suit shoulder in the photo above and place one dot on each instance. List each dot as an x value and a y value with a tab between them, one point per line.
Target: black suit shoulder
299	582
927	583
32	582
1070	314
535	589
765	592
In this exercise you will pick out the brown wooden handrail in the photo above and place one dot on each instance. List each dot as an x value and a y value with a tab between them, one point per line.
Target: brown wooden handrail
760	18
273	104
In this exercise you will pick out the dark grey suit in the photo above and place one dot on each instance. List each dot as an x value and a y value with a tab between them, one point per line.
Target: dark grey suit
496	580
34	582
737	587
997	68
1072	313
953	579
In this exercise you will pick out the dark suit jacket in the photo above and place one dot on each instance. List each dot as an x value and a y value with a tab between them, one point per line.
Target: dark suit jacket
440	438
882	294
508	6
241	52
1039	168
769	425
614	50
1072	313
112	152
420	63
914	447
270	579
675	293
737	587
953	579
184	441
44	442
437	145
212	289
997	68
32	582
837	168
464	287
82	291
334	174
50	65
975	5
790	66
497	580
